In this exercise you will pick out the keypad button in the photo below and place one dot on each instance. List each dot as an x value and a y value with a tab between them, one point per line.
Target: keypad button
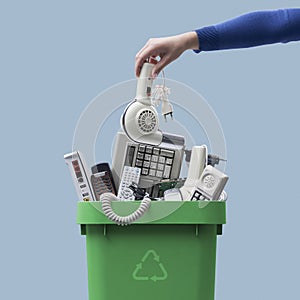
126	193
154	158
147	156
152	172
75	162
145	171
156	151
140	155
167	171
77	169
161	159
142	148
167	153
153	165
139	163
169	161
196	195
160	167
159	173
146	164
148	149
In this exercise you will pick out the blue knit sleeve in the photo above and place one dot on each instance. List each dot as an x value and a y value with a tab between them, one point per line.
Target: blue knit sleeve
252	29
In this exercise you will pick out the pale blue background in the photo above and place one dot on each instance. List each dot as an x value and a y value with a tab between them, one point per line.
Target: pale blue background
57	55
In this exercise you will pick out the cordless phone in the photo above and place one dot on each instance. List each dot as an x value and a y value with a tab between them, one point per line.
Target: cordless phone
102	180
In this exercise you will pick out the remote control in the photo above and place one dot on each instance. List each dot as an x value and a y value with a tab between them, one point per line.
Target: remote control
130	175
80	175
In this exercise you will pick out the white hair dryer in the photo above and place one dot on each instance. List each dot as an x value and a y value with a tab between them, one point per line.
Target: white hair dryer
140	118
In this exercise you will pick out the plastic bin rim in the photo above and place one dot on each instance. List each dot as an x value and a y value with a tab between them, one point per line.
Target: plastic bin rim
171	212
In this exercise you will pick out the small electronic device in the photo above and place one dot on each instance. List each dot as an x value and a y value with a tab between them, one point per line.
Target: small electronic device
156	162
102	180
197	164
140	118
80	175
210	185
130	175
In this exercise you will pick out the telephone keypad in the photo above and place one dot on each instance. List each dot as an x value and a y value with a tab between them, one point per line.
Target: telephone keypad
155	162
101	183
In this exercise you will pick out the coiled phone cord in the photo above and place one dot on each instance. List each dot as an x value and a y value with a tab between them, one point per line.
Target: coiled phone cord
106	200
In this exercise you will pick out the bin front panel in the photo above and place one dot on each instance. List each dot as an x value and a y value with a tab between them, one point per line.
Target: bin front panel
164	262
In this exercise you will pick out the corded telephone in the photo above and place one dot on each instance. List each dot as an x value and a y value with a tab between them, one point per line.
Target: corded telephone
156	162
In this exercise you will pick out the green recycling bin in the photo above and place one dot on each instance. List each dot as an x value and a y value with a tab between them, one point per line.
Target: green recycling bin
168	254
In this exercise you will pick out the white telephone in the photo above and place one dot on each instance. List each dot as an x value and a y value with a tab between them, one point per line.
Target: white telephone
197	164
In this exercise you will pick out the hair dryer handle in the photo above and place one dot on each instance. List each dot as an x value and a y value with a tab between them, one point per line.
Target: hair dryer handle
144	84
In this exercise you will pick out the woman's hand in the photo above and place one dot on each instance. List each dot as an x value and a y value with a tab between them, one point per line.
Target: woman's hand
167	48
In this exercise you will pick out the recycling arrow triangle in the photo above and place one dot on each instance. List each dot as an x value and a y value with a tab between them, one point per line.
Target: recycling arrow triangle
150	268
